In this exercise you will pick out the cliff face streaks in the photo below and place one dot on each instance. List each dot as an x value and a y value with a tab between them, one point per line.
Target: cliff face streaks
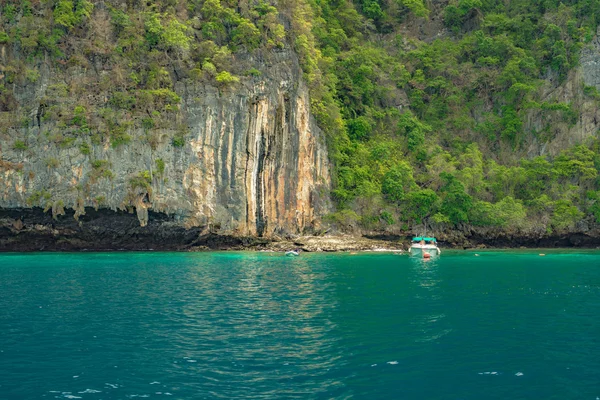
259	164
253	162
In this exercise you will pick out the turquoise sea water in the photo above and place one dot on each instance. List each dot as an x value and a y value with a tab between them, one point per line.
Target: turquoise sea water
500	325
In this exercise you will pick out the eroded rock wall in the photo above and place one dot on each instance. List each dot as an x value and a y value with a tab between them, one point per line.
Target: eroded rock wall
253	162
551	132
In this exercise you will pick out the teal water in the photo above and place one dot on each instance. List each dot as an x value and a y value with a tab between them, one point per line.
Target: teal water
253	325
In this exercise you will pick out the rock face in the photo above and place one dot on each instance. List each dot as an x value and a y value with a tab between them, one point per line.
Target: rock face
32	229
553	132
252	162
590	63
494	238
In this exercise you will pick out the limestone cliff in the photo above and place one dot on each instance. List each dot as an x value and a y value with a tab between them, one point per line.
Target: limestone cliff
249	161
553	133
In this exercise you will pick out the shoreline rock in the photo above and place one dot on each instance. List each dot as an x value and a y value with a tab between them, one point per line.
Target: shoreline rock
336	244
28	230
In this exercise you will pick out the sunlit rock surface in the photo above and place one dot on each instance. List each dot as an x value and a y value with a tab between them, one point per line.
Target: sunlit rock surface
254	163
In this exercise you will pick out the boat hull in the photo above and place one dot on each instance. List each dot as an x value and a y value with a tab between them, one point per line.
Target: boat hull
420	250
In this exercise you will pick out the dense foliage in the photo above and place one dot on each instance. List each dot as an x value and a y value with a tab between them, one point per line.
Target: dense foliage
435	133
427	110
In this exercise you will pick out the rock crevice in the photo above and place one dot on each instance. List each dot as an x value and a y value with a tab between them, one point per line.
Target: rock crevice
253	161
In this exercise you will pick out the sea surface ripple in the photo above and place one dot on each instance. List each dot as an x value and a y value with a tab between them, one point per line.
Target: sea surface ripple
263	326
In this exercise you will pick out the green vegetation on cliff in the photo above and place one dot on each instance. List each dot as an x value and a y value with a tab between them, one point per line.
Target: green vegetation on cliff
435	113
444	113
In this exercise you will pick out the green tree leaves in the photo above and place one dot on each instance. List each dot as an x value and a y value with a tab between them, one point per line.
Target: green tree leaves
246	34
456	14
420	204
166	32
576	164
565	215
398	182
225	78
417	7
413	129
69	14
456	203
508	213
372	9
359	128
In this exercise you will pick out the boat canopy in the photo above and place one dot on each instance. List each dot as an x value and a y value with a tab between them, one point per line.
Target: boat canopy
427	239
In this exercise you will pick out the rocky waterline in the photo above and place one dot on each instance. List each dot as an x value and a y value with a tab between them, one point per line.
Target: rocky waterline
33	229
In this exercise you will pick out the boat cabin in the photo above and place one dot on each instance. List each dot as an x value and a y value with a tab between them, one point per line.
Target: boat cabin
427	240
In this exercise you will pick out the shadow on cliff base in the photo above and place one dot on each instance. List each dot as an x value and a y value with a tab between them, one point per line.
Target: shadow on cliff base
104	230
32	229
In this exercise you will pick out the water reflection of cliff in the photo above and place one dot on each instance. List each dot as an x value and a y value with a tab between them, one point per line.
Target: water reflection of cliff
259	324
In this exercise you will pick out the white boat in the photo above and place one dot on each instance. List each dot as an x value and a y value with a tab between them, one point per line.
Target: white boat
292	253
425	247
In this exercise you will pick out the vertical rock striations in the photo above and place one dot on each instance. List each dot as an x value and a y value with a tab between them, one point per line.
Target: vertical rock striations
259	163
252	162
